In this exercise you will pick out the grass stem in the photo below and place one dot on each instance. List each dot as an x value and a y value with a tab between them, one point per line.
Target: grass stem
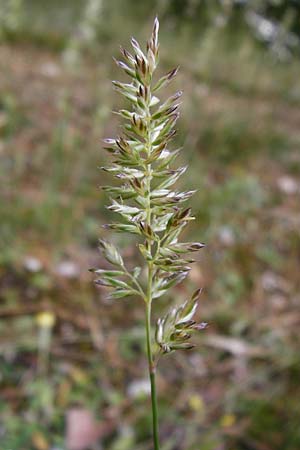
152	370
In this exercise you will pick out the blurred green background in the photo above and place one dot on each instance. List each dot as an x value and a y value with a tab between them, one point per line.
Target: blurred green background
70	361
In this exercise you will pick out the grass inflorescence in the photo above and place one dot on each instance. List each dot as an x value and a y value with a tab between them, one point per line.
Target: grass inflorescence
149	207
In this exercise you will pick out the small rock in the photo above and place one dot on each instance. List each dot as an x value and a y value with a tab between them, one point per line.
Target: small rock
226	236
68	269
82	429
139	388
32	264
272	282
50	70
197	364
288	185
278	302
269	281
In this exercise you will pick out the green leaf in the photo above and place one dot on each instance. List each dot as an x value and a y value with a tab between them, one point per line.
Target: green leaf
136	272
187	313
123	209
123	228
109	273
126	68
154	101
114	282
182	346
163	81
173	176
111	254
146	254
159	331
123	192
120	293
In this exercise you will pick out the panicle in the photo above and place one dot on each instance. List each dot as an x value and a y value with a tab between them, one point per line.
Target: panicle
145	199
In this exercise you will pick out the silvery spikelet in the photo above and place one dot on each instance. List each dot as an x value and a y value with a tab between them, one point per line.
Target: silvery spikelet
149	207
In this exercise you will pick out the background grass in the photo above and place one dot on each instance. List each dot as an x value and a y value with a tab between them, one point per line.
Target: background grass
240	130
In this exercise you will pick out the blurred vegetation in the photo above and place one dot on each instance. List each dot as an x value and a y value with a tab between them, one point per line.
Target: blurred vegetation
63	347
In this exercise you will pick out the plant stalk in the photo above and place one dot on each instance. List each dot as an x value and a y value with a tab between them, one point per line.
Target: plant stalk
152	370
151	364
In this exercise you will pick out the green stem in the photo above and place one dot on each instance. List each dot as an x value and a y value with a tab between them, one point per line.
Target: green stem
152	369
139	288
151	363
